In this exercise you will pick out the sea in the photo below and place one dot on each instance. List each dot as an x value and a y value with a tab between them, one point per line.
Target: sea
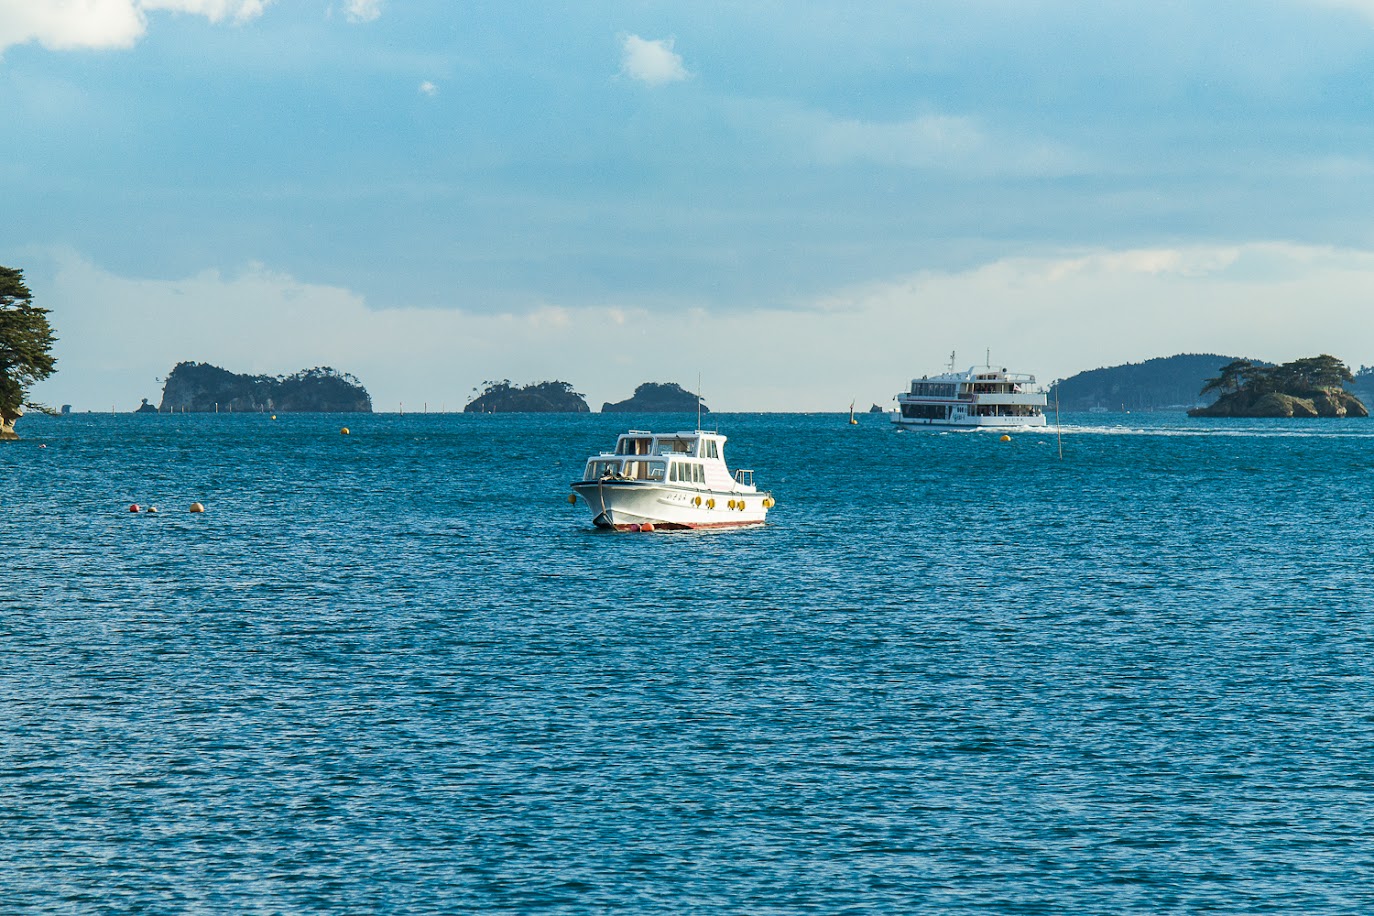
1118	667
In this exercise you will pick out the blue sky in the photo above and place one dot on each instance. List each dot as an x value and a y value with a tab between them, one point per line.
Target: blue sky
803	203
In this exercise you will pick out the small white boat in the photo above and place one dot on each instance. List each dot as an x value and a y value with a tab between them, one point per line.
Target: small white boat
669	481
980	397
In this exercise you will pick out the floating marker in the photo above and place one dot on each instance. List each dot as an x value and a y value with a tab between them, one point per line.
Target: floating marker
1006	438
647	527
151	509
197	507
344	431
135	508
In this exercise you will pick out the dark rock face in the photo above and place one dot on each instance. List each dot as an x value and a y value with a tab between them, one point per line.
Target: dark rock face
540	397
1321	402
8	418
657	397
145	407
203	388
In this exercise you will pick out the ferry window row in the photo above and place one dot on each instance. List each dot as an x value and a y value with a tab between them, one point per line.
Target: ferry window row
932	390
924	411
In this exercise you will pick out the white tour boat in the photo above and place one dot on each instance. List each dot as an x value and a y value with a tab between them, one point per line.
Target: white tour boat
980	397
670	481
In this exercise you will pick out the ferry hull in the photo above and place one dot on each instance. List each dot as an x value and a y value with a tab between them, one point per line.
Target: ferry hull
969	423
626	505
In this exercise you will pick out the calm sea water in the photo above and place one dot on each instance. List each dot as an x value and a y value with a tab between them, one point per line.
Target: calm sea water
394	672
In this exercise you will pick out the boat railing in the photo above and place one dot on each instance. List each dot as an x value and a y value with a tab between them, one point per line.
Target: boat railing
744	477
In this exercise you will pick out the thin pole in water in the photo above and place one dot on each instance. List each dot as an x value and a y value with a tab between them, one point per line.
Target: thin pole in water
1058	429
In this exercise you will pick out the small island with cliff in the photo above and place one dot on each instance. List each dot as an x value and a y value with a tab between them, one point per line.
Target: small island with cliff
657	397
203	388
1309	387
539	397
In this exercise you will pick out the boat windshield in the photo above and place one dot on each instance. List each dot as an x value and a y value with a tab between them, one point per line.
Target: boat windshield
644	470
676	446
599	469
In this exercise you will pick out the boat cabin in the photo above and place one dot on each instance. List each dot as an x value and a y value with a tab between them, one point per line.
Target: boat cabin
685	458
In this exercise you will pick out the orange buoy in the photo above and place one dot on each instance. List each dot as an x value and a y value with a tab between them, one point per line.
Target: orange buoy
197	507
135	508
647	527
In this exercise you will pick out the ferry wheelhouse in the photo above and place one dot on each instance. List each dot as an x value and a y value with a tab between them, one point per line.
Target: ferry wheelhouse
671	481
980	397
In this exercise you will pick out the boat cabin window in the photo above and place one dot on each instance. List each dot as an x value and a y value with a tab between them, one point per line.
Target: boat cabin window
711	450
644	470
932	390
682	472
633	445
599	469
674	447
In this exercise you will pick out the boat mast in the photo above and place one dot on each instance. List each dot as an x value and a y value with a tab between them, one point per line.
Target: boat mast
698	402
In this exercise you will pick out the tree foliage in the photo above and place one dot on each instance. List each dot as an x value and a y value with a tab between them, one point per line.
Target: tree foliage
540	397
1300	377
1231	378
26	341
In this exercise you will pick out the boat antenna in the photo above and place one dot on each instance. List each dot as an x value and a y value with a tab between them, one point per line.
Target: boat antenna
951	360
987	355
698	402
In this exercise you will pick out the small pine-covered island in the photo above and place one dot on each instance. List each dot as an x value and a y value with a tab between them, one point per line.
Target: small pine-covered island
1309	387
539	397
203	388
657	397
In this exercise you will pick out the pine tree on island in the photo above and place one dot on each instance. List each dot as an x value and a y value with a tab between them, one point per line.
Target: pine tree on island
26	342
1310	387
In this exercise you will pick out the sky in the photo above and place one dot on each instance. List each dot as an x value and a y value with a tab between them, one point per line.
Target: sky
800	204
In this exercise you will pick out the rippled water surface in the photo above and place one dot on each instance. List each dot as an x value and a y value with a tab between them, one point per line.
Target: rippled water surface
394	672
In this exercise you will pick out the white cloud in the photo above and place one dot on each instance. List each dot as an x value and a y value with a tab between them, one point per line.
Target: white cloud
1052	316
69	24
651	61
363	10
940	142
214	10
429	89
1363	7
